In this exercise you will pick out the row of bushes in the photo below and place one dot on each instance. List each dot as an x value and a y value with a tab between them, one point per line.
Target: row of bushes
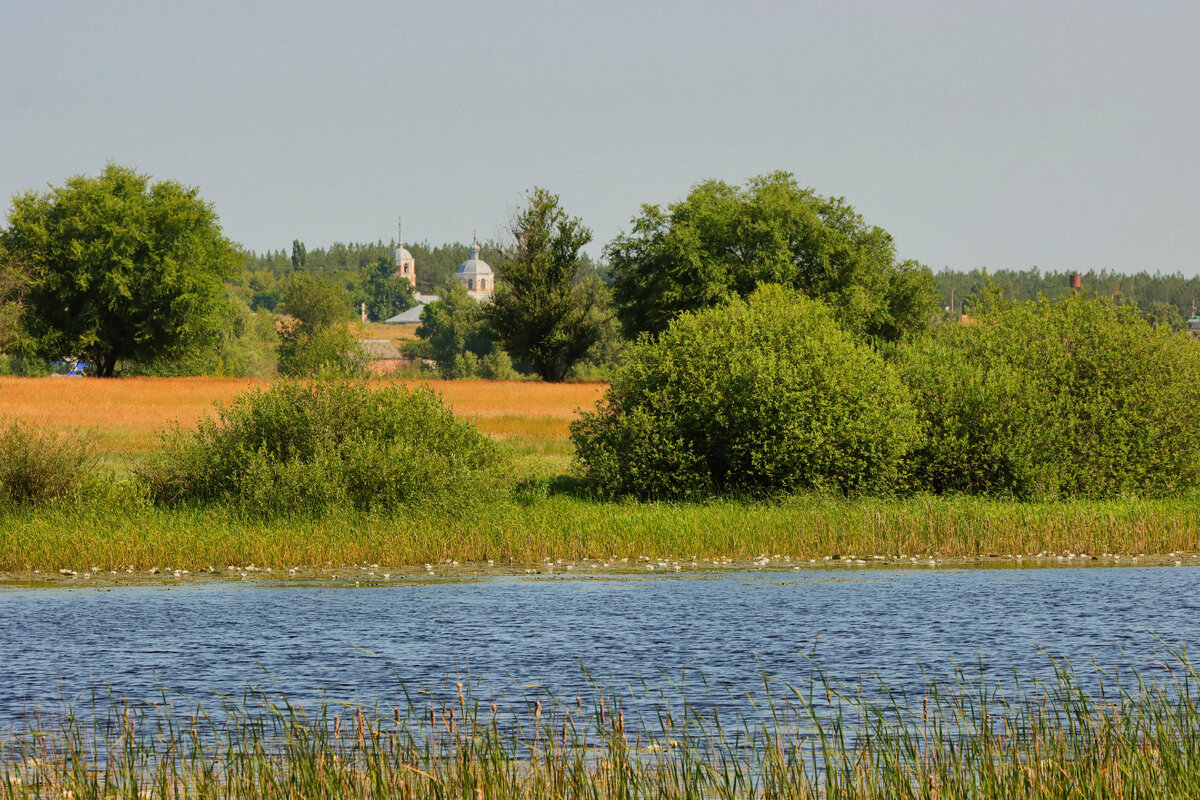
767	396
758	398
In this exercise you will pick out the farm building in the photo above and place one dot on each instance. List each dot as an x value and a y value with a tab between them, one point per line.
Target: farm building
382	355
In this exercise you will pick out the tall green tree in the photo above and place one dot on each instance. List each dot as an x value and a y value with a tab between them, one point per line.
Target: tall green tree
317	340
610	347
314	302
722	241
385	294
299	254
540	316
120	268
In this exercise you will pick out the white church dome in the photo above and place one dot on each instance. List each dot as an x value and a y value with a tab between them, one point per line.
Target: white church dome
474	265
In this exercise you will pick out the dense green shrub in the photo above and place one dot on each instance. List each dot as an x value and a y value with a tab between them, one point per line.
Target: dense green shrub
39	466
305	448
755	398
1073	398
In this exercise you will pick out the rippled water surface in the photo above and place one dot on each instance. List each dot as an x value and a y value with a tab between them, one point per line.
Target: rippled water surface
506	633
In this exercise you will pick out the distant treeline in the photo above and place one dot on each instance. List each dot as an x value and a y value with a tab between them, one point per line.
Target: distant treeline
1167	298
258	284
346	263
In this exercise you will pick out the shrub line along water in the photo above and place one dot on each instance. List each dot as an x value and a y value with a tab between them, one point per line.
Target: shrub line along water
119	534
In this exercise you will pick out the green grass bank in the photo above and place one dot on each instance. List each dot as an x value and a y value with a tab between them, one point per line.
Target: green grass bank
112	535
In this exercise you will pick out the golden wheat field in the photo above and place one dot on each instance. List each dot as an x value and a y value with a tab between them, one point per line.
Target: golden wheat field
126	414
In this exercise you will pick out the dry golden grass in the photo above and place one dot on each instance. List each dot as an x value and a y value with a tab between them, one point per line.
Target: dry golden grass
519	408
380	330
126	414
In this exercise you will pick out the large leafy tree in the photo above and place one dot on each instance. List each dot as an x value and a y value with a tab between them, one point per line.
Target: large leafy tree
13	282
538	313
119	268
722	241
385	294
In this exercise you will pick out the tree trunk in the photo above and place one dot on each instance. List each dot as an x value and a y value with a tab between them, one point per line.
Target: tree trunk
107	365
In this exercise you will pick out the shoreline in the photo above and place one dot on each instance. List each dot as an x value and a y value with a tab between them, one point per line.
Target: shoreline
377	575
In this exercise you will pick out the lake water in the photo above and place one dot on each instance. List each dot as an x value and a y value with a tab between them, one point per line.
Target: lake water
513	633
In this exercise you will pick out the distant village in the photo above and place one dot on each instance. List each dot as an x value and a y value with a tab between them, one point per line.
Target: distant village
475	276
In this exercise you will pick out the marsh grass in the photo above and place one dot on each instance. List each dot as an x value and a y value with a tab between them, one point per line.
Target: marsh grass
1121	736
535	525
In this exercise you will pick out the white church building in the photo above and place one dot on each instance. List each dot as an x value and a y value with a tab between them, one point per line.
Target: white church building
474	275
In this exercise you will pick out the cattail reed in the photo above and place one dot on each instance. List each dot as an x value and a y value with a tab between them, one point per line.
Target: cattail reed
1134	737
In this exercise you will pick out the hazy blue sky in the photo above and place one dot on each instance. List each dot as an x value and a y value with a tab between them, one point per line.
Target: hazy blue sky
1059	134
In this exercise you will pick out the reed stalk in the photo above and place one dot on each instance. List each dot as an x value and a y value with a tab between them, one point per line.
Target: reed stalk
1123	736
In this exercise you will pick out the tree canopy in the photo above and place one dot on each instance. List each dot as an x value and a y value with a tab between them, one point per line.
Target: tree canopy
385	294
13	282
722	241
314	302
317	340
119	268
456	336
539	314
